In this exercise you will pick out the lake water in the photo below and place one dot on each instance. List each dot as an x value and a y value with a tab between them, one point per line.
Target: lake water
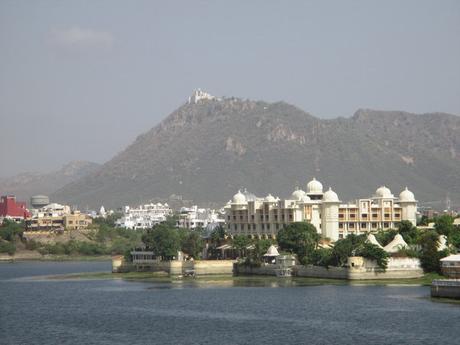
42	311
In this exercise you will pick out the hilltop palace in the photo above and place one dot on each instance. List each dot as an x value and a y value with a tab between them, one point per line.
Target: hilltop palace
249	215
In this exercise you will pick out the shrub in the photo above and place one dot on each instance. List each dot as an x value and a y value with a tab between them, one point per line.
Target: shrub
7	247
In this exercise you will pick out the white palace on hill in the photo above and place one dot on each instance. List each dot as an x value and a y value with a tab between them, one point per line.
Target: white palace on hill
249	215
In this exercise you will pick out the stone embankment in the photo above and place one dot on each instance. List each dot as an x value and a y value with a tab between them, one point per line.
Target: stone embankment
446	288
358	268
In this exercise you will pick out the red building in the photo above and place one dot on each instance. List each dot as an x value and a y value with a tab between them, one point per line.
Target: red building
9	207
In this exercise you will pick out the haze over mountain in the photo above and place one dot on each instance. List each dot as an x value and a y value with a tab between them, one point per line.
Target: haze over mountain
27	184
207	151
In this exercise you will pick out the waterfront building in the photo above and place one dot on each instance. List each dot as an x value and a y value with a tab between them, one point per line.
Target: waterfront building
205	218
144	216
249	215
12	209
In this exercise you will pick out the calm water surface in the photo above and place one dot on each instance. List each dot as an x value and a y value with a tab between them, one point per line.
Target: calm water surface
41	311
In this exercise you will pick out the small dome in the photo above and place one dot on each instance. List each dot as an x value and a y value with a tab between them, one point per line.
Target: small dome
383	192
249	196
239	198
406	195
297	195
314	187
270	198
306	198
330	196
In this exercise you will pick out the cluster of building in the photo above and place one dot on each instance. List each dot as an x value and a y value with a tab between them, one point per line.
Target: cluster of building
200	218
43	215
249	215
144	216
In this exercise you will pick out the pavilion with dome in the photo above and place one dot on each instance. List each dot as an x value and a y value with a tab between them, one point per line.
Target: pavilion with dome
258	217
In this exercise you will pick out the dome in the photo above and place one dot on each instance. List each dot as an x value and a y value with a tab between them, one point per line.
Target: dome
306	198
249	196
406	195
383	192
314	187
330	196
239	198
297	195
270	198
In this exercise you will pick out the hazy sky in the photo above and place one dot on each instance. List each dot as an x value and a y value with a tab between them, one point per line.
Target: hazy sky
81	79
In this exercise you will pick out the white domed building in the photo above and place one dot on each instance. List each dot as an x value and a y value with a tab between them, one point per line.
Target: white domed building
253	216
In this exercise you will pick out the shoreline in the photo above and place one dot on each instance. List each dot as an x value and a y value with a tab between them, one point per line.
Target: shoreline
58	258
255	279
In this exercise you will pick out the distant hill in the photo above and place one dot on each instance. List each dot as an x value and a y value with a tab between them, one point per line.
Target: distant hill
205	151
28	184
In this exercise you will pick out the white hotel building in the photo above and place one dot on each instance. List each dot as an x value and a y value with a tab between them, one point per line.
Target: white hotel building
249	215
144	216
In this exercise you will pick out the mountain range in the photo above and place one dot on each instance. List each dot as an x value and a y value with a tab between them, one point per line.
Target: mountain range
206	150
25	185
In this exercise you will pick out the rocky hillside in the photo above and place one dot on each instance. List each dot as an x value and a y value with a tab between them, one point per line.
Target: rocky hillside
26	185
206	151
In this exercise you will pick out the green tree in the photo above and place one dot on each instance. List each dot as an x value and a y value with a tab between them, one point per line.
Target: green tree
218	236
346	247
10	229
7	247
163	240
429	257
299	238
408	231
373	252
385	236
240	243
193	244
357	245
444	225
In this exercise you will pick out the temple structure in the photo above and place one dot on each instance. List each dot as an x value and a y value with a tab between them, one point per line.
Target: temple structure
249	215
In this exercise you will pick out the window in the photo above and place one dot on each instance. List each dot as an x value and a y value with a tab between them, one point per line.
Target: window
352	216
340	225
351	225
363	225
340	215
364	215
387	215
385	225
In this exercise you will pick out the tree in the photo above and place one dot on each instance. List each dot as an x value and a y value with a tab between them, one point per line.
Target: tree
429	257
373	252
408	231
385	236
299	238
193	244
240	243
256	255
10	229
218	236
444	225
345	248
163	240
